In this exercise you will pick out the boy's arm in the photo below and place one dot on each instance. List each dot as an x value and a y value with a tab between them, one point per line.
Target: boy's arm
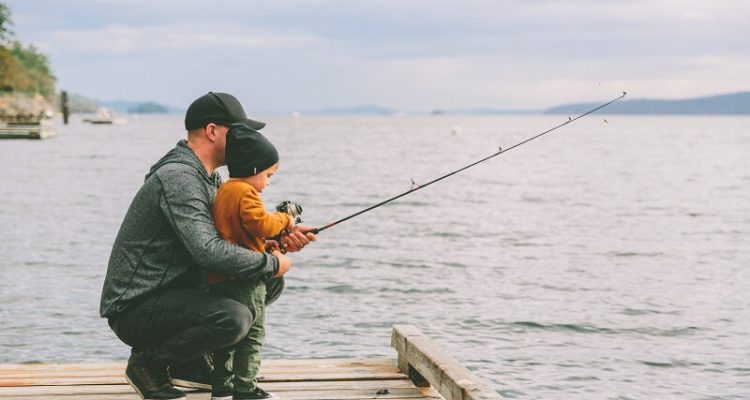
257	221
185	203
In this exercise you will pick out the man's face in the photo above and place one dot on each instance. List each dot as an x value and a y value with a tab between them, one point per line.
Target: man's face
220	141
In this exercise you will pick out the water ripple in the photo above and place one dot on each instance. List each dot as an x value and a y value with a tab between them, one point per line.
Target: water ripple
671	364
587	329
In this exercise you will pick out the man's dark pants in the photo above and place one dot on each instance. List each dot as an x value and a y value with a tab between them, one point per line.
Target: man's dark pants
180	325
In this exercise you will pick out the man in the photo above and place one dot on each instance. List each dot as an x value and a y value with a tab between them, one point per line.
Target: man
154	293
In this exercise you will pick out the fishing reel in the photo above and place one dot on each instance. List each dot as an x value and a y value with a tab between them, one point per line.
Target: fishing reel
291	208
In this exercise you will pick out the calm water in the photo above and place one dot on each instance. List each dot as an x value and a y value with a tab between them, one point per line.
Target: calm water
604	261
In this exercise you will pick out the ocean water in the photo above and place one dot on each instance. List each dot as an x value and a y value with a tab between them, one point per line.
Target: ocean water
606	260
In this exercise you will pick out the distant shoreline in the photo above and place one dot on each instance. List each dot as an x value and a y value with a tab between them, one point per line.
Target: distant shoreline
726	104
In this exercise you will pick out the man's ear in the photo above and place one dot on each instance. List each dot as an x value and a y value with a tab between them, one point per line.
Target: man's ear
211	132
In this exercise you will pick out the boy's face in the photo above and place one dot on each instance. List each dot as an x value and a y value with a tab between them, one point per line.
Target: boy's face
262	179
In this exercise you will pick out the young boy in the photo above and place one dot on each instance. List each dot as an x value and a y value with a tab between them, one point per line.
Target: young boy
241	218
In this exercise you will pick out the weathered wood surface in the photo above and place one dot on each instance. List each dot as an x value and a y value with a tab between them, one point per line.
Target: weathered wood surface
422	372
42	130
322	379
426	364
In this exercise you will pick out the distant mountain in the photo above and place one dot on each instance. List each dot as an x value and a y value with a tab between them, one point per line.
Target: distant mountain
81	104
727	104
122	107
148	108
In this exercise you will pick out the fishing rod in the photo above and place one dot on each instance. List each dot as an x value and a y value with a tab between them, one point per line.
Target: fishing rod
289	206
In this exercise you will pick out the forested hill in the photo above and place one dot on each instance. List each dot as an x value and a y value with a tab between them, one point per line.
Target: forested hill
727	104
23	69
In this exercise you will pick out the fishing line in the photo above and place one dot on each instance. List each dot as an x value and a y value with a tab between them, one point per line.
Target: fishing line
500	150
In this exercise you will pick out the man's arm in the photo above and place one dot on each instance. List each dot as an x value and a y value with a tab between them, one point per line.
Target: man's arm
186	203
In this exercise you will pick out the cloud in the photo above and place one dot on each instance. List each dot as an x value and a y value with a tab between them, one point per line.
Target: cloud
414	54
123	39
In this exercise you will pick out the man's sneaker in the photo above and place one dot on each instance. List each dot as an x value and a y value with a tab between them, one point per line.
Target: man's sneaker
195	373
256	394
221	395
150	379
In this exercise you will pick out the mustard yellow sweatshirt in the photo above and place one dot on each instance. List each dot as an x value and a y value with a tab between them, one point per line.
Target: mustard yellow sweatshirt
241	218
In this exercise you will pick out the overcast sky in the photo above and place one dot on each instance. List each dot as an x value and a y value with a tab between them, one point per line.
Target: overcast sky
406	54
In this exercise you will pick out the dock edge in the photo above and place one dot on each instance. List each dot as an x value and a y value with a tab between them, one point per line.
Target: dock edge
427	365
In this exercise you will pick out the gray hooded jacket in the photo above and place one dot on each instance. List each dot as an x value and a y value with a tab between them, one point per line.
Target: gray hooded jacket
168	239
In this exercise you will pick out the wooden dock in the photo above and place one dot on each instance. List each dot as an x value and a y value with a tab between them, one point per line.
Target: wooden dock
41	130
421	372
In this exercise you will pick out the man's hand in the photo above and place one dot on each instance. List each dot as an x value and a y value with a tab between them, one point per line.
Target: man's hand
298	238
285	263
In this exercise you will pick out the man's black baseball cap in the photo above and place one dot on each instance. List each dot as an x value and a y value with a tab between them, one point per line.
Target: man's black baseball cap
218	108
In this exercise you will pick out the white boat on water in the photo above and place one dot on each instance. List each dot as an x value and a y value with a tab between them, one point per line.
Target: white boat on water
105	116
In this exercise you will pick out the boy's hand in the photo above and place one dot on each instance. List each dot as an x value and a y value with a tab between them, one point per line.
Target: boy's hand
299	237
285	263
272	245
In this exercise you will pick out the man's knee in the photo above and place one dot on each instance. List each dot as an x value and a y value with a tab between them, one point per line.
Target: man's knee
233	321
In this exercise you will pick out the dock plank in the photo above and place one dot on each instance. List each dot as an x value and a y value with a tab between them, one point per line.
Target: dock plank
280	387
427	365
124	391
373	386
12	375
315	379
269	364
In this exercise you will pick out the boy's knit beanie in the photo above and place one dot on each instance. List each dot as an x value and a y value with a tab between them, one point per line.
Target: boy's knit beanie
248	152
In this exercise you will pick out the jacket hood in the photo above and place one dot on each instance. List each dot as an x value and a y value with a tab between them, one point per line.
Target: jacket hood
183	154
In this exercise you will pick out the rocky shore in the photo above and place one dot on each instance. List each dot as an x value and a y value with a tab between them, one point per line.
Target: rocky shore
21	108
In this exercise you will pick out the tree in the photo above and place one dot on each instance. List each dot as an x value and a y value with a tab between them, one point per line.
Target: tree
23	68
37	69
12	76
5	23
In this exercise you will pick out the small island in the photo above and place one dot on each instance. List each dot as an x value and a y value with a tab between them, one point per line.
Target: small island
148	108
